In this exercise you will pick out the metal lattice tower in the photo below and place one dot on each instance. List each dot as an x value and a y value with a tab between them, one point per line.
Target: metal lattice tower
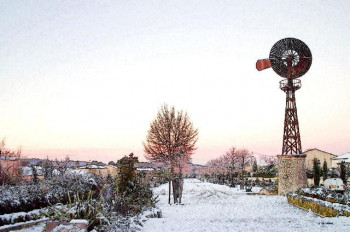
291	133
290	58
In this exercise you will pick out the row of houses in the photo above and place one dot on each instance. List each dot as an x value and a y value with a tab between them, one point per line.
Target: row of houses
104	171
10	164
26	167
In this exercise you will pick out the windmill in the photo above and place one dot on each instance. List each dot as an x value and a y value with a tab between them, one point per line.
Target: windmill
290	58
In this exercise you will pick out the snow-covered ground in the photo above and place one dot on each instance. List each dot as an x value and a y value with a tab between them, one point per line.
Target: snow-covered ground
211	207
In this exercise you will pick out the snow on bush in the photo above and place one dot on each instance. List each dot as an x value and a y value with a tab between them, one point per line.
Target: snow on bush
30	196
325	194
134	223
6	219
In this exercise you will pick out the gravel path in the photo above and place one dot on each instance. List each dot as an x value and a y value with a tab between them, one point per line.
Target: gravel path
210	207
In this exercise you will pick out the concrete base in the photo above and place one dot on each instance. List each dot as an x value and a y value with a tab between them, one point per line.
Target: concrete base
291	173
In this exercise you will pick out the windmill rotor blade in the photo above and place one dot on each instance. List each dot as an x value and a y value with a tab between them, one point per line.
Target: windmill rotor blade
294	49
263	64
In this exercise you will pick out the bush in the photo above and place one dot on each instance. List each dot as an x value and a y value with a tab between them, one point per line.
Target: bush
131	190
325	195
30	196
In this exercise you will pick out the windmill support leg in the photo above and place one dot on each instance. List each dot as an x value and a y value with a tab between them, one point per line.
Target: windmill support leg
291	134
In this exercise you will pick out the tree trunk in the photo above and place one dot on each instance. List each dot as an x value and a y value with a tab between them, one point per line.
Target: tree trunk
169	190
180	185
232	180
174	183
175	189
170	182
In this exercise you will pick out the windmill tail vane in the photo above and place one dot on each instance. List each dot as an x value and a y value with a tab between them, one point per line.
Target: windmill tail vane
263	64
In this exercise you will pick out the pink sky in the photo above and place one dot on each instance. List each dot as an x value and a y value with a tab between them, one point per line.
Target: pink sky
85	79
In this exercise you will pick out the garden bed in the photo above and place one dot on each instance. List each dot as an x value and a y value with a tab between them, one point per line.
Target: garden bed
319	207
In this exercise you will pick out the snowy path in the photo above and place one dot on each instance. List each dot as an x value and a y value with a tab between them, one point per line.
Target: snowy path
209	207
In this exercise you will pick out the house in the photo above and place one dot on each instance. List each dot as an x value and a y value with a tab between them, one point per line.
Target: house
101	170
154	165
322	156
338	159
145	169
27	172
9	164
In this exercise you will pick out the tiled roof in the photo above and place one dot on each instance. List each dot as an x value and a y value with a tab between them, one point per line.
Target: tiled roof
317	150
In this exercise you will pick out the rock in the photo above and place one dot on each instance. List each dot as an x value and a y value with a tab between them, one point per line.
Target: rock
267	192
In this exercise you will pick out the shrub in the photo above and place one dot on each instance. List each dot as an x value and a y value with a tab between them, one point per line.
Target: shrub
30	196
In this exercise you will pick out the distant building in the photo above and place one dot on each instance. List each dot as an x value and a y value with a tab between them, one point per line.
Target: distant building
344	157
194	169
154	165
27	172
31	161
101	170
10	164
145	169
311	154
248	168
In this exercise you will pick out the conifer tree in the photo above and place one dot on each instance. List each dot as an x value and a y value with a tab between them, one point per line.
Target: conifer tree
255	166
132	191
35	175
317	172
343	171
325	170
126	175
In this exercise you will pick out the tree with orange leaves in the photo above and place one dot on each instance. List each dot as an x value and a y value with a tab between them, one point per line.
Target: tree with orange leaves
171	140
10	162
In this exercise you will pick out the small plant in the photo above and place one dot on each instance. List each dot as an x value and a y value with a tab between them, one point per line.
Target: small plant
78	207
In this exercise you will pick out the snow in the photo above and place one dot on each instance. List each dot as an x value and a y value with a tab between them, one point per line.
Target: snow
13	216
345	157
38	227
93	166
8	157
76	172
81	221
61	228
27	171
145	169
55	172
211	207
256	189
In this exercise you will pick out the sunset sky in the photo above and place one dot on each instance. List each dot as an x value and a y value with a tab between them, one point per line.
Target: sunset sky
86	78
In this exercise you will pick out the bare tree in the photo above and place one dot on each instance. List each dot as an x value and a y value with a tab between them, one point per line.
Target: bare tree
243	159
271	161
230	160
171	140
226	167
